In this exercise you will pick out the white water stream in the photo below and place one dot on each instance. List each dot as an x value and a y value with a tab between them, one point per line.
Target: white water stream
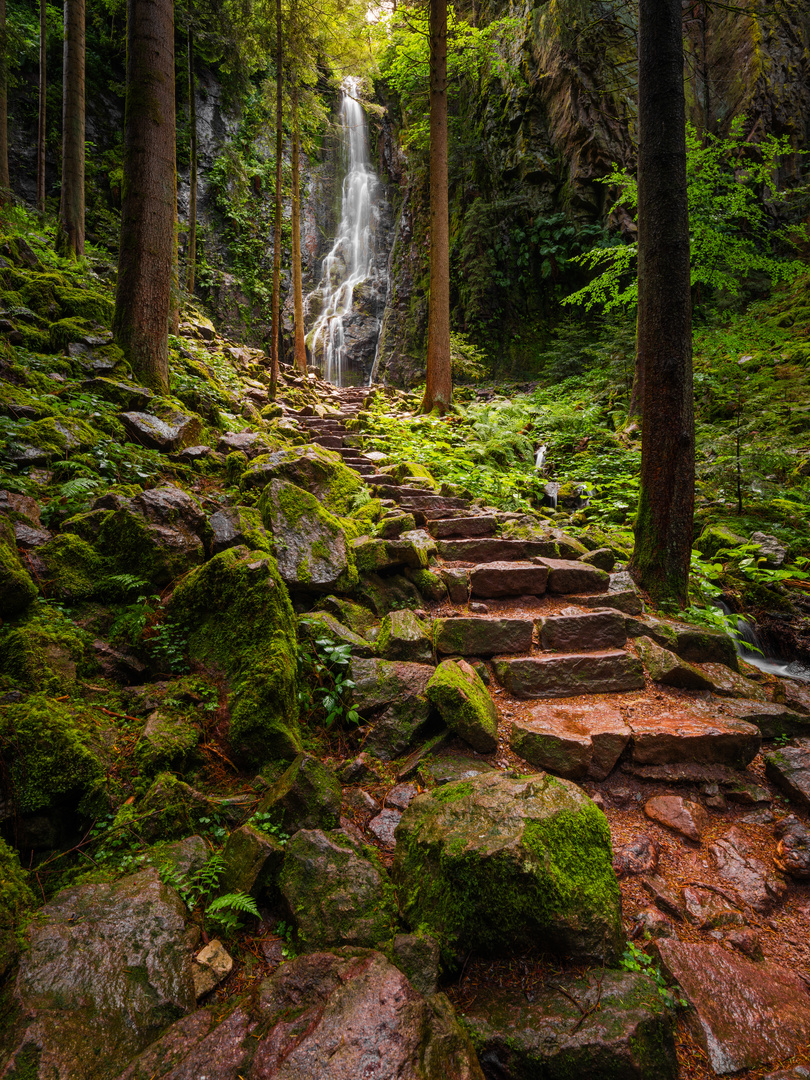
351	259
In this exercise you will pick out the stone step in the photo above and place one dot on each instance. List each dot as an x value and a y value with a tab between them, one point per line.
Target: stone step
482	636
493	549
432	503
331	442
588	631
571	674
500	579
363	470
569	576
482	525
396	491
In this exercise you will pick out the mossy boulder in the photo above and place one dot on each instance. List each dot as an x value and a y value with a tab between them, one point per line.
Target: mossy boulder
410	470
495	864
235	525
430	585
392	695
404	637
43	650
172	810
463	702
47	748
157	535
17	590
166	742
311	467
337	896
717	537
387	593
240	618
42	440
311	543
306	796
253	861
73	569
358	618
15	900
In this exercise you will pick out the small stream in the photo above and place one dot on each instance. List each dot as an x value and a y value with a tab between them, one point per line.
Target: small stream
754	651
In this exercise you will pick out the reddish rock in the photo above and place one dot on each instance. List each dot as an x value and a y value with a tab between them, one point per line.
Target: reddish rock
789	769
401	796
640	856
509	579
745	941
793	850
569	576
750	878
384	825
590	630
482	637
797	695
679	737
745	1015
728	683
683	816
466	527
569	675
708	909
491	549
771	718
572	741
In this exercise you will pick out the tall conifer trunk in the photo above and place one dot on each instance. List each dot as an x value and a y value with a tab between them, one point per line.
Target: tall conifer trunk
300	347
663	528
71	207
149	209
43	86
5	183
274	321
439	387
191	260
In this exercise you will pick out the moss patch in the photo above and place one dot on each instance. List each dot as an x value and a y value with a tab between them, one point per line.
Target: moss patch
15	899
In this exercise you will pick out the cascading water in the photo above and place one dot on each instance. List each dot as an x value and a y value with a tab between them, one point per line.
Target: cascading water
352	259
752	649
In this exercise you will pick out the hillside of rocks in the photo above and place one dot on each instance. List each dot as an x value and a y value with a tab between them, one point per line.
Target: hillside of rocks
318	762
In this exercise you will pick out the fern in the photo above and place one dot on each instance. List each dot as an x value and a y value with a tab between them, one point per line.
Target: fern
125	583
226	909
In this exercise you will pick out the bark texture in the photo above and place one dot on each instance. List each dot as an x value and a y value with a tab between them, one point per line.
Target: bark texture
300	348
274	321
5	184
439	386
149	210
663	529
43	86
191	260
71	206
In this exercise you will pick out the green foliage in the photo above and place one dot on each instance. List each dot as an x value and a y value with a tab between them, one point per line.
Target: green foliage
197	891
733	195
634	958
324	681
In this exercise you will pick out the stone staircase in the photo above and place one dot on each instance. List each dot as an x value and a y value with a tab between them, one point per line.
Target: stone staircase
549	627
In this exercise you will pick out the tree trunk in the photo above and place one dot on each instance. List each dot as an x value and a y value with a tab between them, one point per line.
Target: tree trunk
300	350
43	86
5	183
439	386
663	528
71	207
191	259
277	224
149	209
173	324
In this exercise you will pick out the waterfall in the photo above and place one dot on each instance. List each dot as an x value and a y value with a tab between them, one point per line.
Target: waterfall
753	650
352	258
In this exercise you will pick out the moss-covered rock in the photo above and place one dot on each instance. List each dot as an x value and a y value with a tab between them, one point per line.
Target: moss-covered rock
166	742
47	747
43	651
306	796
239	617
716	537
170	810
336	895
463	702
384	594
358	618
498	864
73	568
313	468
15	900
17	590
430	585
409	469
320	624
311	544
253	861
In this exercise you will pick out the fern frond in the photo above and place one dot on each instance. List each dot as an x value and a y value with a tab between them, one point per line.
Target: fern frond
234	901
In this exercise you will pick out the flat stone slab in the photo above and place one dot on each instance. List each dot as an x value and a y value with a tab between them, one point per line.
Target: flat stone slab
678	737
589	630
728	683
482	636
496	579
572	741
789	769
492	549
745	1014
466	527
165	434
682	815
737	864
572	576
771	718
596	1026
569	675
